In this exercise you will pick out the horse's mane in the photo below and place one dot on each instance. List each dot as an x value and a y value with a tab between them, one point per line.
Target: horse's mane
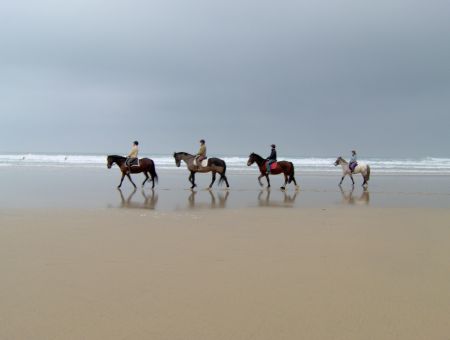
183	153
343	160
256	155
116	156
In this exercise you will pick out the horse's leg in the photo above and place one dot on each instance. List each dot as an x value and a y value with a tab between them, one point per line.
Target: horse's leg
121	180
268	181
353	181
129	177
213	179
226	180
295	183
193	180
153	179
146	178
259	179
285	182
342	179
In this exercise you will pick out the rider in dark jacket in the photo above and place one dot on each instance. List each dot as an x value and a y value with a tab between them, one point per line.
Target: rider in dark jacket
353	161
271	159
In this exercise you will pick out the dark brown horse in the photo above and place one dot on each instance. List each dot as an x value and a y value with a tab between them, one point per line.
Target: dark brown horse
146	166
283	167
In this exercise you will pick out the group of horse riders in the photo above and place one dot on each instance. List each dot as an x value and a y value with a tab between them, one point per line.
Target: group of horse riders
132	157
267	166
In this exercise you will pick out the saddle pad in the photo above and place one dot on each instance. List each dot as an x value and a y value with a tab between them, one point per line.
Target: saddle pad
204	162
273	166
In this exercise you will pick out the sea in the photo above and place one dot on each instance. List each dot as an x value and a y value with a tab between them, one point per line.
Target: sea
236	164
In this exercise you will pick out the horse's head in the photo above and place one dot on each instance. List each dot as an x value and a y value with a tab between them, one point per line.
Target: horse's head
251	159
177	157
338	161
109	162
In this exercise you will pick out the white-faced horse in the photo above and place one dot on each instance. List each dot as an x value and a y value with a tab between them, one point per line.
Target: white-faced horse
361	168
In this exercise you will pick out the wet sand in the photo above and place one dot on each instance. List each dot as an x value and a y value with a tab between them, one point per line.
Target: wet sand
95	188
253	273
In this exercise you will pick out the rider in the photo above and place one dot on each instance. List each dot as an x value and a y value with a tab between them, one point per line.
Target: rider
201	154
271	159
132	156
353	161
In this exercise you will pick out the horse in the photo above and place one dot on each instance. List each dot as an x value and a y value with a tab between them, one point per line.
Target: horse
363	169
146	166
214	165
284	167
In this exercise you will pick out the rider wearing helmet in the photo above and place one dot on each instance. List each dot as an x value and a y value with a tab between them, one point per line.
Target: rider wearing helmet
353	161
201	154
132	156
272	158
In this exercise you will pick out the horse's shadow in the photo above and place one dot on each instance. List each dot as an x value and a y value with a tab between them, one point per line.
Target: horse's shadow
288	199
348	198
150	201
215	202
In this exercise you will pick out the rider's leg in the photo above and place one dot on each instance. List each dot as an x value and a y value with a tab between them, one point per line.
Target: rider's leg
127	163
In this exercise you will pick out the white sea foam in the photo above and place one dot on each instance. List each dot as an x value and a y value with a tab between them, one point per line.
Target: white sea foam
429	165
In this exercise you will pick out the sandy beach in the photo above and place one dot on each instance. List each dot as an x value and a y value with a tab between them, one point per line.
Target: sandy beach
254	273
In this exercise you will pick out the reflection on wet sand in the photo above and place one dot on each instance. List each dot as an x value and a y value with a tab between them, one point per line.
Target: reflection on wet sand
265	200
150	201
216	202
347	197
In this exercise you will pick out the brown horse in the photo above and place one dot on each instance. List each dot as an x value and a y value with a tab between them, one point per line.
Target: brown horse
146	166
283	167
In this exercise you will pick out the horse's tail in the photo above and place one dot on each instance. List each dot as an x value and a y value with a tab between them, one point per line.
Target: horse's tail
153	172
368	173
222	175
291	173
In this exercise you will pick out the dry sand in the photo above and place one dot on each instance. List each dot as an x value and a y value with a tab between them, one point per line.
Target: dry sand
342	273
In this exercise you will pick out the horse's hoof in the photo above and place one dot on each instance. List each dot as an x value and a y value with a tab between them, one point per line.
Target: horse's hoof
283	188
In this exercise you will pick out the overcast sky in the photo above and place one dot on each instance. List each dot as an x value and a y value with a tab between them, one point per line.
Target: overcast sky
318	78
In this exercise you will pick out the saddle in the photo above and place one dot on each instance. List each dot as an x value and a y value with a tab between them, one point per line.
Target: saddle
203	164
273	166
133	162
